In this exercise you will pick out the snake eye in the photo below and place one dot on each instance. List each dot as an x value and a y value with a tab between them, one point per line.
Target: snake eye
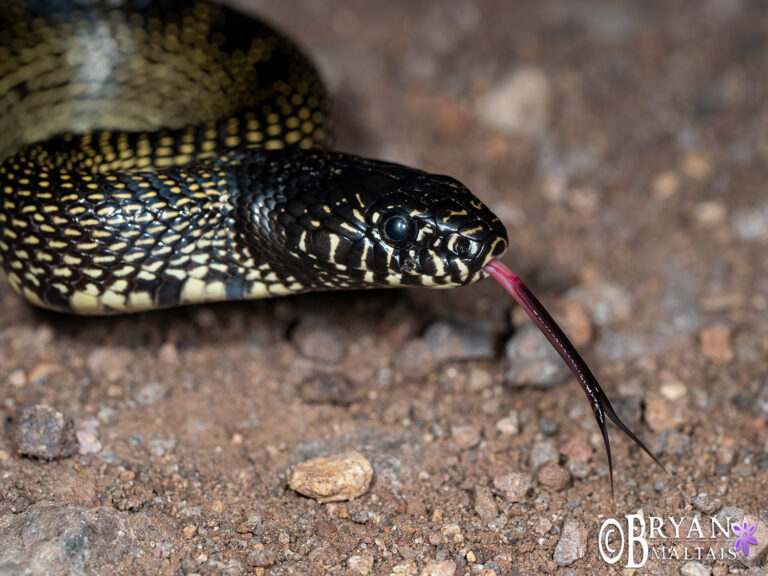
398	229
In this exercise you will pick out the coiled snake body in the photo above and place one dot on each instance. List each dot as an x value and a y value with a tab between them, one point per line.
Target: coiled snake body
167	152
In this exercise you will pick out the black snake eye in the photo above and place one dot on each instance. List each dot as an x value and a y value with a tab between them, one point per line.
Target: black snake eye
398	229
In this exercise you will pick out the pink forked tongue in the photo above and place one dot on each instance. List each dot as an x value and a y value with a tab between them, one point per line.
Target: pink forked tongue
601	406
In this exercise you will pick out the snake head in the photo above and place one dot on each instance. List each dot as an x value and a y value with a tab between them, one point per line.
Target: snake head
341	221
429	230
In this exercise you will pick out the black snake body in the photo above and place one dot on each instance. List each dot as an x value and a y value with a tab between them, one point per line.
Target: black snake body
166	152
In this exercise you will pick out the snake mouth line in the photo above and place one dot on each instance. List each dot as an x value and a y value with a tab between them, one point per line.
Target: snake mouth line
598	400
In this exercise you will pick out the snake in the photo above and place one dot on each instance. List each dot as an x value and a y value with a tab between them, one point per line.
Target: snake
159	153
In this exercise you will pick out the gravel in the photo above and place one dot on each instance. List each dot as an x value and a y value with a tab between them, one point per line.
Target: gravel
543	452
663	414
458	339
439	568
332	478
509	425
694	569
317	338
333	388
716	343
705	503
572	544
531	360
606	303
485	504
465	436
43	432
518	104
513	486
554	477
65	538
360	564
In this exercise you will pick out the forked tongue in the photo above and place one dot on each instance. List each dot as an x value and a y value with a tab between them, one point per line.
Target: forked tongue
601	406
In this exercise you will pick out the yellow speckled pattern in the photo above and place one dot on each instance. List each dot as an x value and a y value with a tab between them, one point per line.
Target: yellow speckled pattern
97	107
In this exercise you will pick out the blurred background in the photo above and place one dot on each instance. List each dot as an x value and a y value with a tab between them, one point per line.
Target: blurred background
625	146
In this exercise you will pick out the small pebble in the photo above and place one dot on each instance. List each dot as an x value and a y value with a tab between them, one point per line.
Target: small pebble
485	504
543	452
465	436
360	517
457	339
663	414
751	223
606	303
730	514
315	337
333	478
160	446
543	526
547	426
110	362
334	388
531	361
578	468
479	379
189	531
673	390
716	343
725	454
261	556
513	486
406	568
553	477
43	432
677	444
439	568
666	184
360	564
416	358
694	569
710	212
572	544
252	525
88	437
519	104
629	407
509	425
152	393
575	320
696	165
707	504
577	448
17	378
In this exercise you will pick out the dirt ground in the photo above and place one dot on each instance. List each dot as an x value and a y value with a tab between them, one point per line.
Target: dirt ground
625	146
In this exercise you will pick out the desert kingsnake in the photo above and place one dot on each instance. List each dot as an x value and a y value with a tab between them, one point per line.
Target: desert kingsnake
166	152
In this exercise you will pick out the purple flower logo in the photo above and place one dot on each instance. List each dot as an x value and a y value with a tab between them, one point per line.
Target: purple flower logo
744	532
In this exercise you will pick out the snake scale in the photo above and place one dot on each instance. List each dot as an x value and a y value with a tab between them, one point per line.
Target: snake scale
157	153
